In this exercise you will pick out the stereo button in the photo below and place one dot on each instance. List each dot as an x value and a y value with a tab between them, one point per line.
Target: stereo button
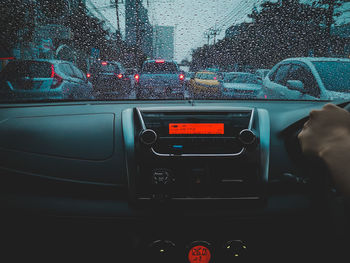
162	177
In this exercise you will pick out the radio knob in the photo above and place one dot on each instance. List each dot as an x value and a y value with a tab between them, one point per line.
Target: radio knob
247	137
148	137
235	251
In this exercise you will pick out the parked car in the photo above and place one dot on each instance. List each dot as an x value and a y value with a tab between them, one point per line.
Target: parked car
308	78
240	85
261	73
43	79
109	76
160	78
206	84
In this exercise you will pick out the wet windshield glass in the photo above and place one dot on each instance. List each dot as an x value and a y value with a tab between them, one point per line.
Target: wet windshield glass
334	75
159	67
241	78
173	49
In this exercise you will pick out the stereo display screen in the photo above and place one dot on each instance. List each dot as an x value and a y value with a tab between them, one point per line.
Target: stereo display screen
196	128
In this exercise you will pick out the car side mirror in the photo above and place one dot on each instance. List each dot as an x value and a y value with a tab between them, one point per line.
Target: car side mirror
296	85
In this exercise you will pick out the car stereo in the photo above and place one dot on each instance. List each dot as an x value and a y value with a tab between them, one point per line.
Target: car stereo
195	153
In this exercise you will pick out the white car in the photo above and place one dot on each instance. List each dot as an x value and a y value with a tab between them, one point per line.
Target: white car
308	78
240	85
261	73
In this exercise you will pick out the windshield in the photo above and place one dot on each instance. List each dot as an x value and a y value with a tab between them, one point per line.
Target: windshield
173	49
241	78
335	75
159	67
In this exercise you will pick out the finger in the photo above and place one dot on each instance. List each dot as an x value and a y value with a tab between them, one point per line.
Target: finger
330	106
313	114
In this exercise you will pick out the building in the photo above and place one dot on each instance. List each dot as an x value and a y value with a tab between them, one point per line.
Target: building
163	42
143	27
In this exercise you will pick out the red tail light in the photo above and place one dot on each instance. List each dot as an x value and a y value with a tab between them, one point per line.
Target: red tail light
120	76
137	77
160	60
52	71
181	76
57	80
104	63
88	75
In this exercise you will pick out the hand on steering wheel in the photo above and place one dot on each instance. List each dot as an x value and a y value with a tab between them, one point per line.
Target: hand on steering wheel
326	136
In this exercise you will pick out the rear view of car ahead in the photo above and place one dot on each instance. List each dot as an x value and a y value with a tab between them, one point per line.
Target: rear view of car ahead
206	84
43	79
240	85
160	79
109	78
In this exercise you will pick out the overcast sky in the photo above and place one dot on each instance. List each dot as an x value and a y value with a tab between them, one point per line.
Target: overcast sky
191	18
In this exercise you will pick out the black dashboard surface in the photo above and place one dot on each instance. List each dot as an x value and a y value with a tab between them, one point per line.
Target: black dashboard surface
80	146
66	162
83	141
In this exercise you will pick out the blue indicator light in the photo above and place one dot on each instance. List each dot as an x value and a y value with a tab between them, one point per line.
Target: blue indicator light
178	146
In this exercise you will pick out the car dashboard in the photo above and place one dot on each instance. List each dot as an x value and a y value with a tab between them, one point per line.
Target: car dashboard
163	181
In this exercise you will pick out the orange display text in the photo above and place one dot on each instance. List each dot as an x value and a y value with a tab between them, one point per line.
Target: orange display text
196	128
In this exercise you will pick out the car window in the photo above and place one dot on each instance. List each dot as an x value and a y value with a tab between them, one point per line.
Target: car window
159	67
66	69
77	73
335	75
303	74
281	74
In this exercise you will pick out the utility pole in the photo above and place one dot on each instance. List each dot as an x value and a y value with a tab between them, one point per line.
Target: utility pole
137	32
207	35
214	32
137	24
117	13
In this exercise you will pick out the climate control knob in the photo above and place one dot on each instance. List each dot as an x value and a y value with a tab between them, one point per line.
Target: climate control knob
148	137
247	137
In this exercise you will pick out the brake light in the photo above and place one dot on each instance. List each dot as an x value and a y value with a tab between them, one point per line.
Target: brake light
214	78
88	75
104	63
160	60
120	76
52	71
181	76
57	81
137	77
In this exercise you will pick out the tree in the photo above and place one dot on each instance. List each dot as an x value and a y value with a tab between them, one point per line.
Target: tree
279	30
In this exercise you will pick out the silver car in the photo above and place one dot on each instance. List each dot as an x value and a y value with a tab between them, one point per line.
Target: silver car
240	85
308	78
43	79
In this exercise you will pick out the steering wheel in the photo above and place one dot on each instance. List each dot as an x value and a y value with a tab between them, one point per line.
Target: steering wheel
320	183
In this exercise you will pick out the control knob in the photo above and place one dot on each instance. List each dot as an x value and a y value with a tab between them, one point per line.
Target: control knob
247	137
148	137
